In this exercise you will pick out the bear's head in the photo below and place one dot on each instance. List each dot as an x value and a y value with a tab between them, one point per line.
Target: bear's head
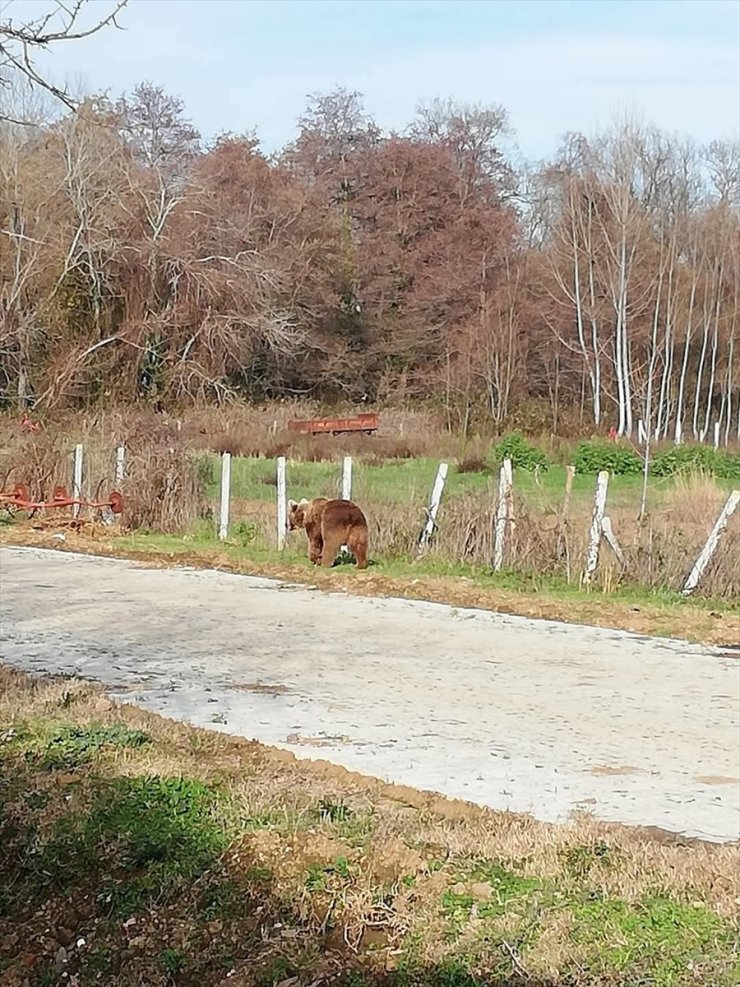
297	514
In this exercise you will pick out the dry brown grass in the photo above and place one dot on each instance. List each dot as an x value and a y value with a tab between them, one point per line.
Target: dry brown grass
163	490
165	487
354	869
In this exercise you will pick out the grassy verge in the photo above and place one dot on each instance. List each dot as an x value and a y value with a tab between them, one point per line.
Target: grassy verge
529	594
137	850
411	480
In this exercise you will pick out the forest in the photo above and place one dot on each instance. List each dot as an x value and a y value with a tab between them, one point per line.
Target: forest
141	264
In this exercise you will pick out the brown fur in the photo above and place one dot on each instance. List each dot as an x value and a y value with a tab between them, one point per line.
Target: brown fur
329	524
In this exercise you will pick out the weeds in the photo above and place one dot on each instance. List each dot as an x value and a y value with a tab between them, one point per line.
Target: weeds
71	746
236	861
171	487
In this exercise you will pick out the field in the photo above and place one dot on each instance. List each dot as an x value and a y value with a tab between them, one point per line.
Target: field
139	851
171	492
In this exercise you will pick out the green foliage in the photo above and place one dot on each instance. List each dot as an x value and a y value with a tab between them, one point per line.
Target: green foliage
596	455
659	934
143	838
172	961
72	746
619	460
681	459
506	885
523	455
245	532
205	467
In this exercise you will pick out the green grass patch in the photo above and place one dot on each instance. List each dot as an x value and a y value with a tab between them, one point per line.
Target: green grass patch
658	937
527	581
179	879
68	746
139	839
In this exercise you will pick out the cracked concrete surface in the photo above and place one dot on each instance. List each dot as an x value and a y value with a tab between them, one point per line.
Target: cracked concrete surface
531	716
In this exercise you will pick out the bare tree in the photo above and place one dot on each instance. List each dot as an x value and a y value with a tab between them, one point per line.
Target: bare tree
22	41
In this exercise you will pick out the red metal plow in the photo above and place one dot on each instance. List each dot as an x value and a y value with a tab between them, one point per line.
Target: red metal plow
20	498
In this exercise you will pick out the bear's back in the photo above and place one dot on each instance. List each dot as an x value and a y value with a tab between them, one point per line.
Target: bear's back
342	513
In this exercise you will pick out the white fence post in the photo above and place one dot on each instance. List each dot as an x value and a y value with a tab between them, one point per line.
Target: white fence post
347	478
346	488
77	480
503	512
712	542
597	525
677	436
570	472
716	435
439	485
282	503
120	463
608	531
223	524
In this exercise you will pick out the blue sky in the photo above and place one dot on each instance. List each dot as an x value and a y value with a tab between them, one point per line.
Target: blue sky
554	65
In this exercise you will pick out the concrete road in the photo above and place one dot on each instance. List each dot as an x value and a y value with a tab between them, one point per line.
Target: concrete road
532	716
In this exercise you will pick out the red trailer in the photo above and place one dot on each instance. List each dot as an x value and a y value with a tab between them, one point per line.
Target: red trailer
367	423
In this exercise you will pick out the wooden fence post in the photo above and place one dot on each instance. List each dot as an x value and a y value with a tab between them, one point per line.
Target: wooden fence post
77	480
120	463
712	542
223	525
436	498
503	512
597	525
347	478
282	503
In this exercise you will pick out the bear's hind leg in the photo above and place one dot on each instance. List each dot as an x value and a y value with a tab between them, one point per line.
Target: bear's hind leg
357	544
332	546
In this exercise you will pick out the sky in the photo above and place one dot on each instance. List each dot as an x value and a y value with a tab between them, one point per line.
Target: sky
554	65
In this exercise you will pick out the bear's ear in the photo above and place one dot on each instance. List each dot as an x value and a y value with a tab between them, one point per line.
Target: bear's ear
292	505
303	502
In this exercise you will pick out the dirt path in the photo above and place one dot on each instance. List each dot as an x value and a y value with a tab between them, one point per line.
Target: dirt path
530	716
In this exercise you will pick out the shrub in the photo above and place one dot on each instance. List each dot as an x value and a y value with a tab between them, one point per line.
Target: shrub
594	456
473	464
164	489
682	459
521	453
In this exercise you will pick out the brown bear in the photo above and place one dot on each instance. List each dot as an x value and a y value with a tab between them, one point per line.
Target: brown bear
330	524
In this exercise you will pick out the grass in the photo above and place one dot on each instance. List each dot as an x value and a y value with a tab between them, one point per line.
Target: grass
241	549
172	512
546	539
411	480
173	855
